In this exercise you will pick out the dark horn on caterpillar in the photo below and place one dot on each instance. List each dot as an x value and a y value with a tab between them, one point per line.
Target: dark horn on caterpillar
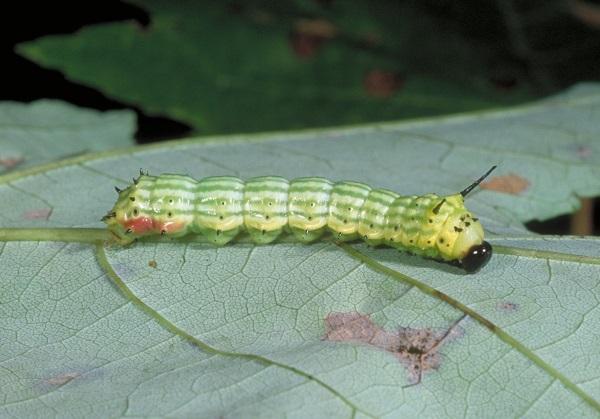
137	179
436	210
473	185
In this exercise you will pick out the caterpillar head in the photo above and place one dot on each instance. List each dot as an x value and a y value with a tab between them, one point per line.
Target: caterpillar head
463	232
461	236
127	220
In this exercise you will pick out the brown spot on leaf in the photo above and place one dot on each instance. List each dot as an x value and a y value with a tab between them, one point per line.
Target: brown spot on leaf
511	184
507	306
38	214
62	379
152	263
416	349
11	162
305	46
381	83
309	35
50	381
316	27
584	152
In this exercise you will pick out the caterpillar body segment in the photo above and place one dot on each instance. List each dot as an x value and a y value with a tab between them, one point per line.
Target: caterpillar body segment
308	207
265	208
220	208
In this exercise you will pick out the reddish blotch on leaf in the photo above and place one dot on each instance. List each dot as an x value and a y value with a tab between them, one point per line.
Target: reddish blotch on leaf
511	183
416	349
11	162
38	214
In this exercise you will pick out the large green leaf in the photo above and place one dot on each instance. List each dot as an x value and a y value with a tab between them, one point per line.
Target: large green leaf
220	69
47	130
325	330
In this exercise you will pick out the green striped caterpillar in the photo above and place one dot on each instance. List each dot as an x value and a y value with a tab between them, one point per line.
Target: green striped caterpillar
220	208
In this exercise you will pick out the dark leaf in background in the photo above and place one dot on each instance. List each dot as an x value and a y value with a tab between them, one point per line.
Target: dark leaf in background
223	67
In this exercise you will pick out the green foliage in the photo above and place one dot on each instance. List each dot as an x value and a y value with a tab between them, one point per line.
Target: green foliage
186	329
262	67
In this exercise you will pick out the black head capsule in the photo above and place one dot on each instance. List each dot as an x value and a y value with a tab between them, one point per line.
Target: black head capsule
477	257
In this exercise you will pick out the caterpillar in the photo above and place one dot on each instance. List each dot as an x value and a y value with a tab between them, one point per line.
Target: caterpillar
220	208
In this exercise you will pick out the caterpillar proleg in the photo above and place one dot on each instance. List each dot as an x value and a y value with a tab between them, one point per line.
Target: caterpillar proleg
220	208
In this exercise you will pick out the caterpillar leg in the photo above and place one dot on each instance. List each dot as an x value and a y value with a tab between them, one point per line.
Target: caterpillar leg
219	237
307	236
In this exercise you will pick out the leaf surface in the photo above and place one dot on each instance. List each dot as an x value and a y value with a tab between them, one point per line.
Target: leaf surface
48	130
186	329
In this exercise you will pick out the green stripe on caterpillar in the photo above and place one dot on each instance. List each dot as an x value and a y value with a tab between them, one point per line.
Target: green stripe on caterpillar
220	208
